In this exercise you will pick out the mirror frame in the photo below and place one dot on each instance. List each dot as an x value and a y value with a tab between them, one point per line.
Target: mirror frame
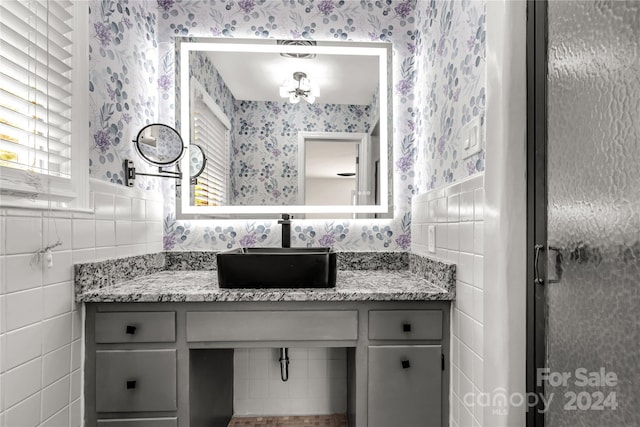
384	53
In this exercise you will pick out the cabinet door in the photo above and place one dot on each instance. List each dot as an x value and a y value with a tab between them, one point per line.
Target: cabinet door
405	386
135	380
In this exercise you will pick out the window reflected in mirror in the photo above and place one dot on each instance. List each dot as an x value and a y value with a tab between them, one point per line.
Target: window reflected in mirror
211	132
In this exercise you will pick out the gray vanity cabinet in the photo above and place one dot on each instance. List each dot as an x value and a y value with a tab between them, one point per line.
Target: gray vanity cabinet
405	387
405	380
171	364
135	363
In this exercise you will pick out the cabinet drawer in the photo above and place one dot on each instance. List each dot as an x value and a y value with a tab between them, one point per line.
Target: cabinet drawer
405	325
139	422
135	380
405	386
135	327
272	325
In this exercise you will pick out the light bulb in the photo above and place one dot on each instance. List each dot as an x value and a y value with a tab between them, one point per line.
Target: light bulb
293	98
305	84
289	83
310	97
284	92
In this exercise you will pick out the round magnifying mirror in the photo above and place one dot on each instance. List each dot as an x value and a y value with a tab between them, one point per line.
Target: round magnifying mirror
197	161
159	144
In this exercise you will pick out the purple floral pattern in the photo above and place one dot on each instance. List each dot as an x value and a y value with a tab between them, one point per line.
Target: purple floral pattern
102	141
450	58
246	6
404	9
103	33
165	4
122	84
438	86
248	240
326	7
165	82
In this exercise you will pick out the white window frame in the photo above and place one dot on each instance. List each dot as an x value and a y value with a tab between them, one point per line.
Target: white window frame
24	189
198	91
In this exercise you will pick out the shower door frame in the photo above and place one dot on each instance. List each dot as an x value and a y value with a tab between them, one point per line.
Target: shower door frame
537	69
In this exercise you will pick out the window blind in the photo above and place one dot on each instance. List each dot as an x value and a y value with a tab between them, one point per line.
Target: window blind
211	133
36	53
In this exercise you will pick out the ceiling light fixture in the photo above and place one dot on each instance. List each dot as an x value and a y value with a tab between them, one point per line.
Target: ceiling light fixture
299	86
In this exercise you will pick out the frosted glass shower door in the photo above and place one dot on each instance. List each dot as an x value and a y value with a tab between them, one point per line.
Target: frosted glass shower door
593	163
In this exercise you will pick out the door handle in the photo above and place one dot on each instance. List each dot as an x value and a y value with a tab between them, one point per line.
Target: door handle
536	268
554	264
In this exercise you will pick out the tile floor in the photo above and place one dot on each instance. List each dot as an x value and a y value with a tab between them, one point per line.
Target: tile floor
336	420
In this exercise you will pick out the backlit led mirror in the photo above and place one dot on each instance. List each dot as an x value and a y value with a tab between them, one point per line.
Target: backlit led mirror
299	127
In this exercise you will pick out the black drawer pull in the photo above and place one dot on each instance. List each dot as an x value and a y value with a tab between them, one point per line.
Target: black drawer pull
131	330
131	384
406	364
406	327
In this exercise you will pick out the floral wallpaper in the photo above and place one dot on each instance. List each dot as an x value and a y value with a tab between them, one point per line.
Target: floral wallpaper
438	86
264	137
266	150
450	90
123	64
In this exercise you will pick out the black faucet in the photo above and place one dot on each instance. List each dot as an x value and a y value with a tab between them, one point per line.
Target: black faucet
286	230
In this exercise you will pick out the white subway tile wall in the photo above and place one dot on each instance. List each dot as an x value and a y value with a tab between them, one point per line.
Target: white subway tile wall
317	383
40	324
456	212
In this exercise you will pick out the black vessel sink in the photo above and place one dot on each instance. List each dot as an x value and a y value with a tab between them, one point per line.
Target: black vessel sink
277	268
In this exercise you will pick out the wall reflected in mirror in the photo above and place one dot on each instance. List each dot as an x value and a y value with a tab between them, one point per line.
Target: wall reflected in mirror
248	115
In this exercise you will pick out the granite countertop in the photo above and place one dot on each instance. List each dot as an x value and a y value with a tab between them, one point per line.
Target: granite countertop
189	277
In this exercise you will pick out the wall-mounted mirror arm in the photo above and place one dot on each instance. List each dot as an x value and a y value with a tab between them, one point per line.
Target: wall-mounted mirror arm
130	173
